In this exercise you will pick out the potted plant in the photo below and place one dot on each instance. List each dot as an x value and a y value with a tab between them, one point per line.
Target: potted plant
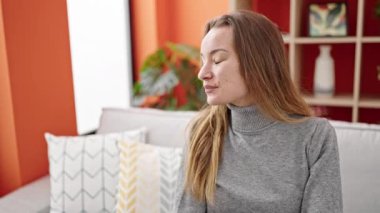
168	79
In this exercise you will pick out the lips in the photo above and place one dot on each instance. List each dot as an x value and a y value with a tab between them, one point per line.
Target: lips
209	88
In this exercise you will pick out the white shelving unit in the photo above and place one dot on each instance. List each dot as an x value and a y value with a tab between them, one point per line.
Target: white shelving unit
294	41
307	40
355	100
339	100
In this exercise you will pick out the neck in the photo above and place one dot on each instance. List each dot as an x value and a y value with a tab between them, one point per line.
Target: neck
248	119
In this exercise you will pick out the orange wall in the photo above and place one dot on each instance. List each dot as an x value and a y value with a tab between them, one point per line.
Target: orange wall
9	163
189	17
155	22
36	85
144	33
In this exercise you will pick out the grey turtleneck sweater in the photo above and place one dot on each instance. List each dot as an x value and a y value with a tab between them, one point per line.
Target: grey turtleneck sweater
269	166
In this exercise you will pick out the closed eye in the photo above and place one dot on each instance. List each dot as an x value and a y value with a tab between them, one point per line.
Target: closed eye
217	62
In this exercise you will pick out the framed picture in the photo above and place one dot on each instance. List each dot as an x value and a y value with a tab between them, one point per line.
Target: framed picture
328	19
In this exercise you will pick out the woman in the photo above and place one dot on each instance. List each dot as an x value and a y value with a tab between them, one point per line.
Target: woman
255	147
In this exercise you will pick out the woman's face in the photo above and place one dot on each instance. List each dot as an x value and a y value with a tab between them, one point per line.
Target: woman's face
220	72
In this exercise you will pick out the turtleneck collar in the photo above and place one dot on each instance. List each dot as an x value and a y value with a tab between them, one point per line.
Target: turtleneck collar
248	119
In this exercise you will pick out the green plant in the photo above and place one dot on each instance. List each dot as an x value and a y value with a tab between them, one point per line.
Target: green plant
168	79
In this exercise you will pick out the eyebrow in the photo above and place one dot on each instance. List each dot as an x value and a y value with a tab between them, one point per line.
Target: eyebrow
215	51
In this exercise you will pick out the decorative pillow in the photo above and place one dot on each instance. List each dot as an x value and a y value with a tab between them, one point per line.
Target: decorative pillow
84	170
148	176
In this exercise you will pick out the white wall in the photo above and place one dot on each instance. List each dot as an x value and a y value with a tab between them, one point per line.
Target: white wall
101	57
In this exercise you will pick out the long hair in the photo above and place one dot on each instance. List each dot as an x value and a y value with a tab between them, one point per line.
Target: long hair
265	70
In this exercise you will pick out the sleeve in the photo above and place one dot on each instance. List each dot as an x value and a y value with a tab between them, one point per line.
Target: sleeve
323	190
184	201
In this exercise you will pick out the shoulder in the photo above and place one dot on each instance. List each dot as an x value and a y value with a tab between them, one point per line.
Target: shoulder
322	127
319	129
310	126
323	138
314	125
313	131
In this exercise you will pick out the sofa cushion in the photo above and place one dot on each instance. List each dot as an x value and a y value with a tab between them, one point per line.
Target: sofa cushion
84	170
359	151
166	128
148	176
32	197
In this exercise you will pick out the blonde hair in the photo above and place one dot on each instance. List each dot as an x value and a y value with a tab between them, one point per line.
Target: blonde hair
264	68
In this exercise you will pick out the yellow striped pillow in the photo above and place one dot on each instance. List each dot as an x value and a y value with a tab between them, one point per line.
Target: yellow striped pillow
148	176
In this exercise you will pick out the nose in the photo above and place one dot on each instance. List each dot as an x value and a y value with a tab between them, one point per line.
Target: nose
205	73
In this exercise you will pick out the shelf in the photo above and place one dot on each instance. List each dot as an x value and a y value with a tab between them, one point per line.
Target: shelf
324	40
338	100
371	39
355	58
369	102
331	40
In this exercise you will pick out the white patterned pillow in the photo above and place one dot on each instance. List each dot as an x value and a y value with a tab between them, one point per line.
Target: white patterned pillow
148	176
84	170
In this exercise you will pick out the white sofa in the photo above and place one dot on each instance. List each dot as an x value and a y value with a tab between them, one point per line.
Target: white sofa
359	147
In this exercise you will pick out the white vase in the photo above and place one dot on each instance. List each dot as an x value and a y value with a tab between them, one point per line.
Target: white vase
324	75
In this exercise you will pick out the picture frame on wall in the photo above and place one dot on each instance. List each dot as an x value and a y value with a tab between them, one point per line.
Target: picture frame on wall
328	19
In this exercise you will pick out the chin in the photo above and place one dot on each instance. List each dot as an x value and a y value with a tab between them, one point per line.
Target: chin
212	101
